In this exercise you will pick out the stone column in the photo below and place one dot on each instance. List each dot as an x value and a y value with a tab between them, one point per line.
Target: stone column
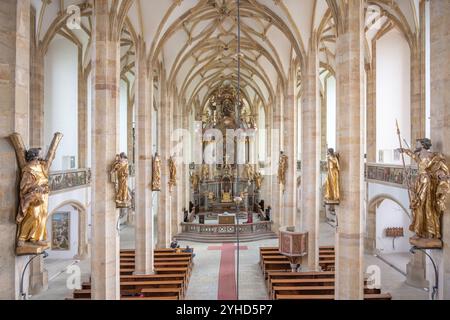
440	115
185	165
289	202
37	97
417	81
82	113
323	122
276	134
175	140
164	226
371	71
349	60
130	122
143	216
38	274
105	237
14	117
310	189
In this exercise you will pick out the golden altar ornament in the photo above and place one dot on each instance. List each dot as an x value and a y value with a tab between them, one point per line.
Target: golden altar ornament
332	193
119	176
428	194
205	172
258	180
172	173
156	173
194	180
282	168
248	172
34	191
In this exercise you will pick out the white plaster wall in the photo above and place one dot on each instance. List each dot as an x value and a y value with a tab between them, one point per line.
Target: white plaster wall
89	120
73	235
61	99
123	114
393	93
81	196
331	112
427	71
400	194
388	215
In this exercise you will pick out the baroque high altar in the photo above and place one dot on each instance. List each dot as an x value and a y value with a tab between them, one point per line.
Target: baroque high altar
227	170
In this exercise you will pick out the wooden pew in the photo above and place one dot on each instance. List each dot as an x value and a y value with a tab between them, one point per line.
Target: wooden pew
161	292
134	287
170	281
381	296
137	298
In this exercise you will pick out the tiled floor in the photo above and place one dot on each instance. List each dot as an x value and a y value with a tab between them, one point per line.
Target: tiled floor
204	280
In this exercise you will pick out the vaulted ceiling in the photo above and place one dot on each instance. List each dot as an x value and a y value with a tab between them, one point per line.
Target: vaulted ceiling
195	41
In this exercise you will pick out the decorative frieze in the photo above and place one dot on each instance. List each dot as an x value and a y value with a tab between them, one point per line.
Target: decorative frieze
63	180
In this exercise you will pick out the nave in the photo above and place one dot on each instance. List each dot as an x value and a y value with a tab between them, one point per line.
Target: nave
127	124
206	273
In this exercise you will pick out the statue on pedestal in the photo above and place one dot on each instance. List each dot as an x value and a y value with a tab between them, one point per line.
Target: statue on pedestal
156	173
34	191
194	181
332	192
428	194
205	172
258	180
248	172
172	173
119	176
282	168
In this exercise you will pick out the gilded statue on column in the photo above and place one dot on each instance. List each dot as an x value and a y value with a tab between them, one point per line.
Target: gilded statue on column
332	184
205	172
258	180
248	172
428	194
119	176
282	168
172	173
34	191
156	173
194	181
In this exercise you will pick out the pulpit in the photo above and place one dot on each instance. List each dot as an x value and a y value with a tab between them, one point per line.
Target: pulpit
293	245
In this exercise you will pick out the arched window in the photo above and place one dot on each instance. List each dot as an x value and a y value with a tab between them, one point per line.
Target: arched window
393	94
61	101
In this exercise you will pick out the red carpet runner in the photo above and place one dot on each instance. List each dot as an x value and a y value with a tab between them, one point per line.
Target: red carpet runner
227	271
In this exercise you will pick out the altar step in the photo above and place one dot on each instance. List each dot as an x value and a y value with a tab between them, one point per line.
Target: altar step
224	238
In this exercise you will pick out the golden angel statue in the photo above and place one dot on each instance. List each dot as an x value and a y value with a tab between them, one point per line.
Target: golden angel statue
258	180
119	176
194	181
205	172
428	194
248	172
156	173
332	184
34	191
282	168
172	173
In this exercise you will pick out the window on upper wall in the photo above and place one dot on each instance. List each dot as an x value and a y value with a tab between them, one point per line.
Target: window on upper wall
61	101
392	95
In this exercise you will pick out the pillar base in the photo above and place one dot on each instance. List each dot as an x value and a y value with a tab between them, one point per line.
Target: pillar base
416	272
39	282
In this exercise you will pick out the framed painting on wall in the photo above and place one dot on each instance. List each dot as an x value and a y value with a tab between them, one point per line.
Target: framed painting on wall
61	231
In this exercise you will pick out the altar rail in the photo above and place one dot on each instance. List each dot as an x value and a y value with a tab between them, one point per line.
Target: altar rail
249	228
70	179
